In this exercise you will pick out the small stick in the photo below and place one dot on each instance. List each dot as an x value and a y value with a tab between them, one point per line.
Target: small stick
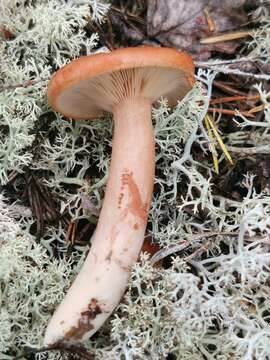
69	232
164	252
224	37
236	98
233	98
22	85
12	176
73	234
62	347
257	109
70	236
230	112
228	89
48	205
231	71
209	20
260	149
200	250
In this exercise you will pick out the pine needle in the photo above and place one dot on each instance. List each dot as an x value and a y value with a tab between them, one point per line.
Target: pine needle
212	144
225	37
212	128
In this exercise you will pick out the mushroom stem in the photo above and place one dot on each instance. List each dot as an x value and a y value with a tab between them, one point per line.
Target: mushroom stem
119	235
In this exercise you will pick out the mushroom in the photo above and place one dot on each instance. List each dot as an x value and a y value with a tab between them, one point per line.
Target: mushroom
125	82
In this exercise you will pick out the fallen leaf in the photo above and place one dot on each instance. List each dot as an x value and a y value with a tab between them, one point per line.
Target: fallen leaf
183	23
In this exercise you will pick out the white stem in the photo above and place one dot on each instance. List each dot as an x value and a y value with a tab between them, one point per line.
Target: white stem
119	235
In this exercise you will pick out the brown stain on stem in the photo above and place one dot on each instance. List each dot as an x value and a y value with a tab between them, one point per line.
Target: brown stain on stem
120	198
136	226
84	323
136	206
109	256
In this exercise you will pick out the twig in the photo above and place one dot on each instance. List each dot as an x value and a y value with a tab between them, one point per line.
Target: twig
22	85
224	37
209	20
35	204
48	203
41	202
205	247
70	236
228	70
261	149
62	347
200	250
230	112
228	89
236	98
126	14
257	109
12	176
161	254
207	64
216	65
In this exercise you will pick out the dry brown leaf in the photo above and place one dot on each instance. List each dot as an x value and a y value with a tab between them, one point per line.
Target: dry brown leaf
182	23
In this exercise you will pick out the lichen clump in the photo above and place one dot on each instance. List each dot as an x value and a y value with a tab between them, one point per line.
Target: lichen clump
32	284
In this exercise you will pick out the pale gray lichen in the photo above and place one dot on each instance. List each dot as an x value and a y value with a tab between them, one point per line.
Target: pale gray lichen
256	140
44	36
32	284
259	45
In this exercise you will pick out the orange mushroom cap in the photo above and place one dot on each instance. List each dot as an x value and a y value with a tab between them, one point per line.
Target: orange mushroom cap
91	84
